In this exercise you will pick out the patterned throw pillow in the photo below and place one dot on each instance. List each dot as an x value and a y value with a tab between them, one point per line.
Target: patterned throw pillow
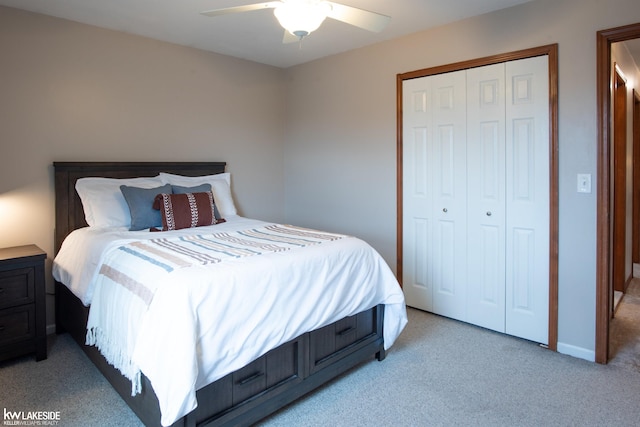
185	210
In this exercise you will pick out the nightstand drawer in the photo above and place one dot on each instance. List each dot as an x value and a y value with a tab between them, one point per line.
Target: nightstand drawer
17	287
22	302
17	324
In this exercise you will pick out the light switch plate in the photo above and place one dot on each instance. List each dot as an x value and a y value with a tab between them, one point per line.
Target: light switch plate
584	183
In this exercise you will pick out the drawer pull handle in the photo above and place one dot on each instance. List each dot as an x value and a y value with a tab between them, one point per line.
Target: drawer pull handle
1	328
346	331
1	290
251	378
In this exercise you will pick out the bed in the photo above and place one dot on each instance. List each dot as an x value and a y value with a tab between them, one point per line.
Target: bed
288	360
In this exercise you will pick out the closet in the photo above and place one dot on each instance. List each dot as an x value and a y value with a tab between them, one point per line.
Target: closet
475	195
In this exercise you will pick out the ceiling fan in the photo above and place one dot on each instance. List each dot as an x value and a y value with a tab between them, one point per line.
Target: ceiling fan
301	17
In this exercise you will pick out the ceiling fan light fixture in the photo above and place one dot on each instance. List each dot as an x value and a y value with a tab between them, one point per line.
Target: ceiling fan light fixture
301	18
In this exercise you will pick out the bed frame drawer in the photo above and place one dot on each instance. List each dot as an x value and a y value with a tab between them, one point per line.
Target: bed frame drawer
343	337
271	374
274	368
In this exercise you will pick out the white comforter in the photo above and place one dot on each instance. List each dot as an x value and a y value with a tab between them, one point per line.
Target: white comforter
210	320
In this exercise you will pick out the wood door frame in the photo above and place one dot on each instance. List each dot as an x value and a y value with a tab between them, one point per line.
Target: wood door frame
552	52
604	40
635	181
619	184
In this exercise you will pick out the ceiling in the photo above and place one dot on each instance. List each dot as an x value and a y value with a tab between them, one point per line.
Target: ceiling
634	49
256	35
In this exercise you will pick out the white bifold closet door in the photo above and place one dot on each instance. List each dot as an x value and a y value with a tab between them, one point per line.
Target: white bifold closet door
476	196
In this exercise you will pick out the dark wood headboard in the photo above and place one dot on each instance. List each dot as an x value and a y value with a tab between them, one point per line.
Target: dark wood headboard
69	212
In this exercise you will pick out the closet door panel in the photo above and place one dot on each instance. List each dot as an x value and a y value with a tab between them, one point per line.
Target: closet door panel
523	260
486	196
417	195
449	194
527	243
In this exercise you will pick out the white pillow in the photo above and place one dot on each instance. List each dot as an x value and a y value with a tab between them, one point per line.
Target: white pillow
220	186
103	202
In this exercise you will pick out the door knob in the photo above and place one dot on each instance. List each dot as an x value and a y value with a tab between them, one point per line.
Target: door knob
488	213
444	210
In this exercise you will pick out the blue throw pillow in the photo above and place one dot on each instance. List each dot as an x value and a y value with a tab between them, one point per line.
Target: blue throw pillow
140	201
202	188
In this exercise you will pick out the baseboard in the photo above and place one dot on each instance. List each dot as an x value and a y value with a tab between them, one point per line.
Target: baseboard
579	352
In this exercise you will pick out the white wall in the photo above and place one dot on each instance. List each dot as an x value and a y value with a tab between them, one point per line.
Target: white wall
72	92
340	151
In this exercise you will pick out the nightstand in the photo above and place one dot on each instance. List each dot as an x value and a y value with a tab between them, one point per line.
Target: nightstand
22	302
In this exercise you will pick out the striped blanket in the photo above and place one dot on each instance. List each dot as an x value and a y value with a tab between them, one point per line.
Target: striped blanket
161	256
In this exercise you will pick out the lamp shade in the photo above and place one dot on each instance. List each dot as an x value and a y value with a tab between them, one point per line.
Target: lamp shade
300	18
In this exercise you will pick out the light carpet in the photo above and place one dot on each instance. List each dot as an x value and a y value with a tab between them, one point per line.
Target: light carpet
624	330
440	372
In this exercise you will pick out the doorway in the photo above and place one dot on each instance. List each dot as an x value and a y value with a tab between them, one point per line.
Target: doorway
605	234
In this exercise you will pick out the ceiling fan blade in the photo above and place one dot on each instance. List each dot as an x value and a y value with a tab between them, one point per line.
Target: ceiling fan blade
246	8
361	18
